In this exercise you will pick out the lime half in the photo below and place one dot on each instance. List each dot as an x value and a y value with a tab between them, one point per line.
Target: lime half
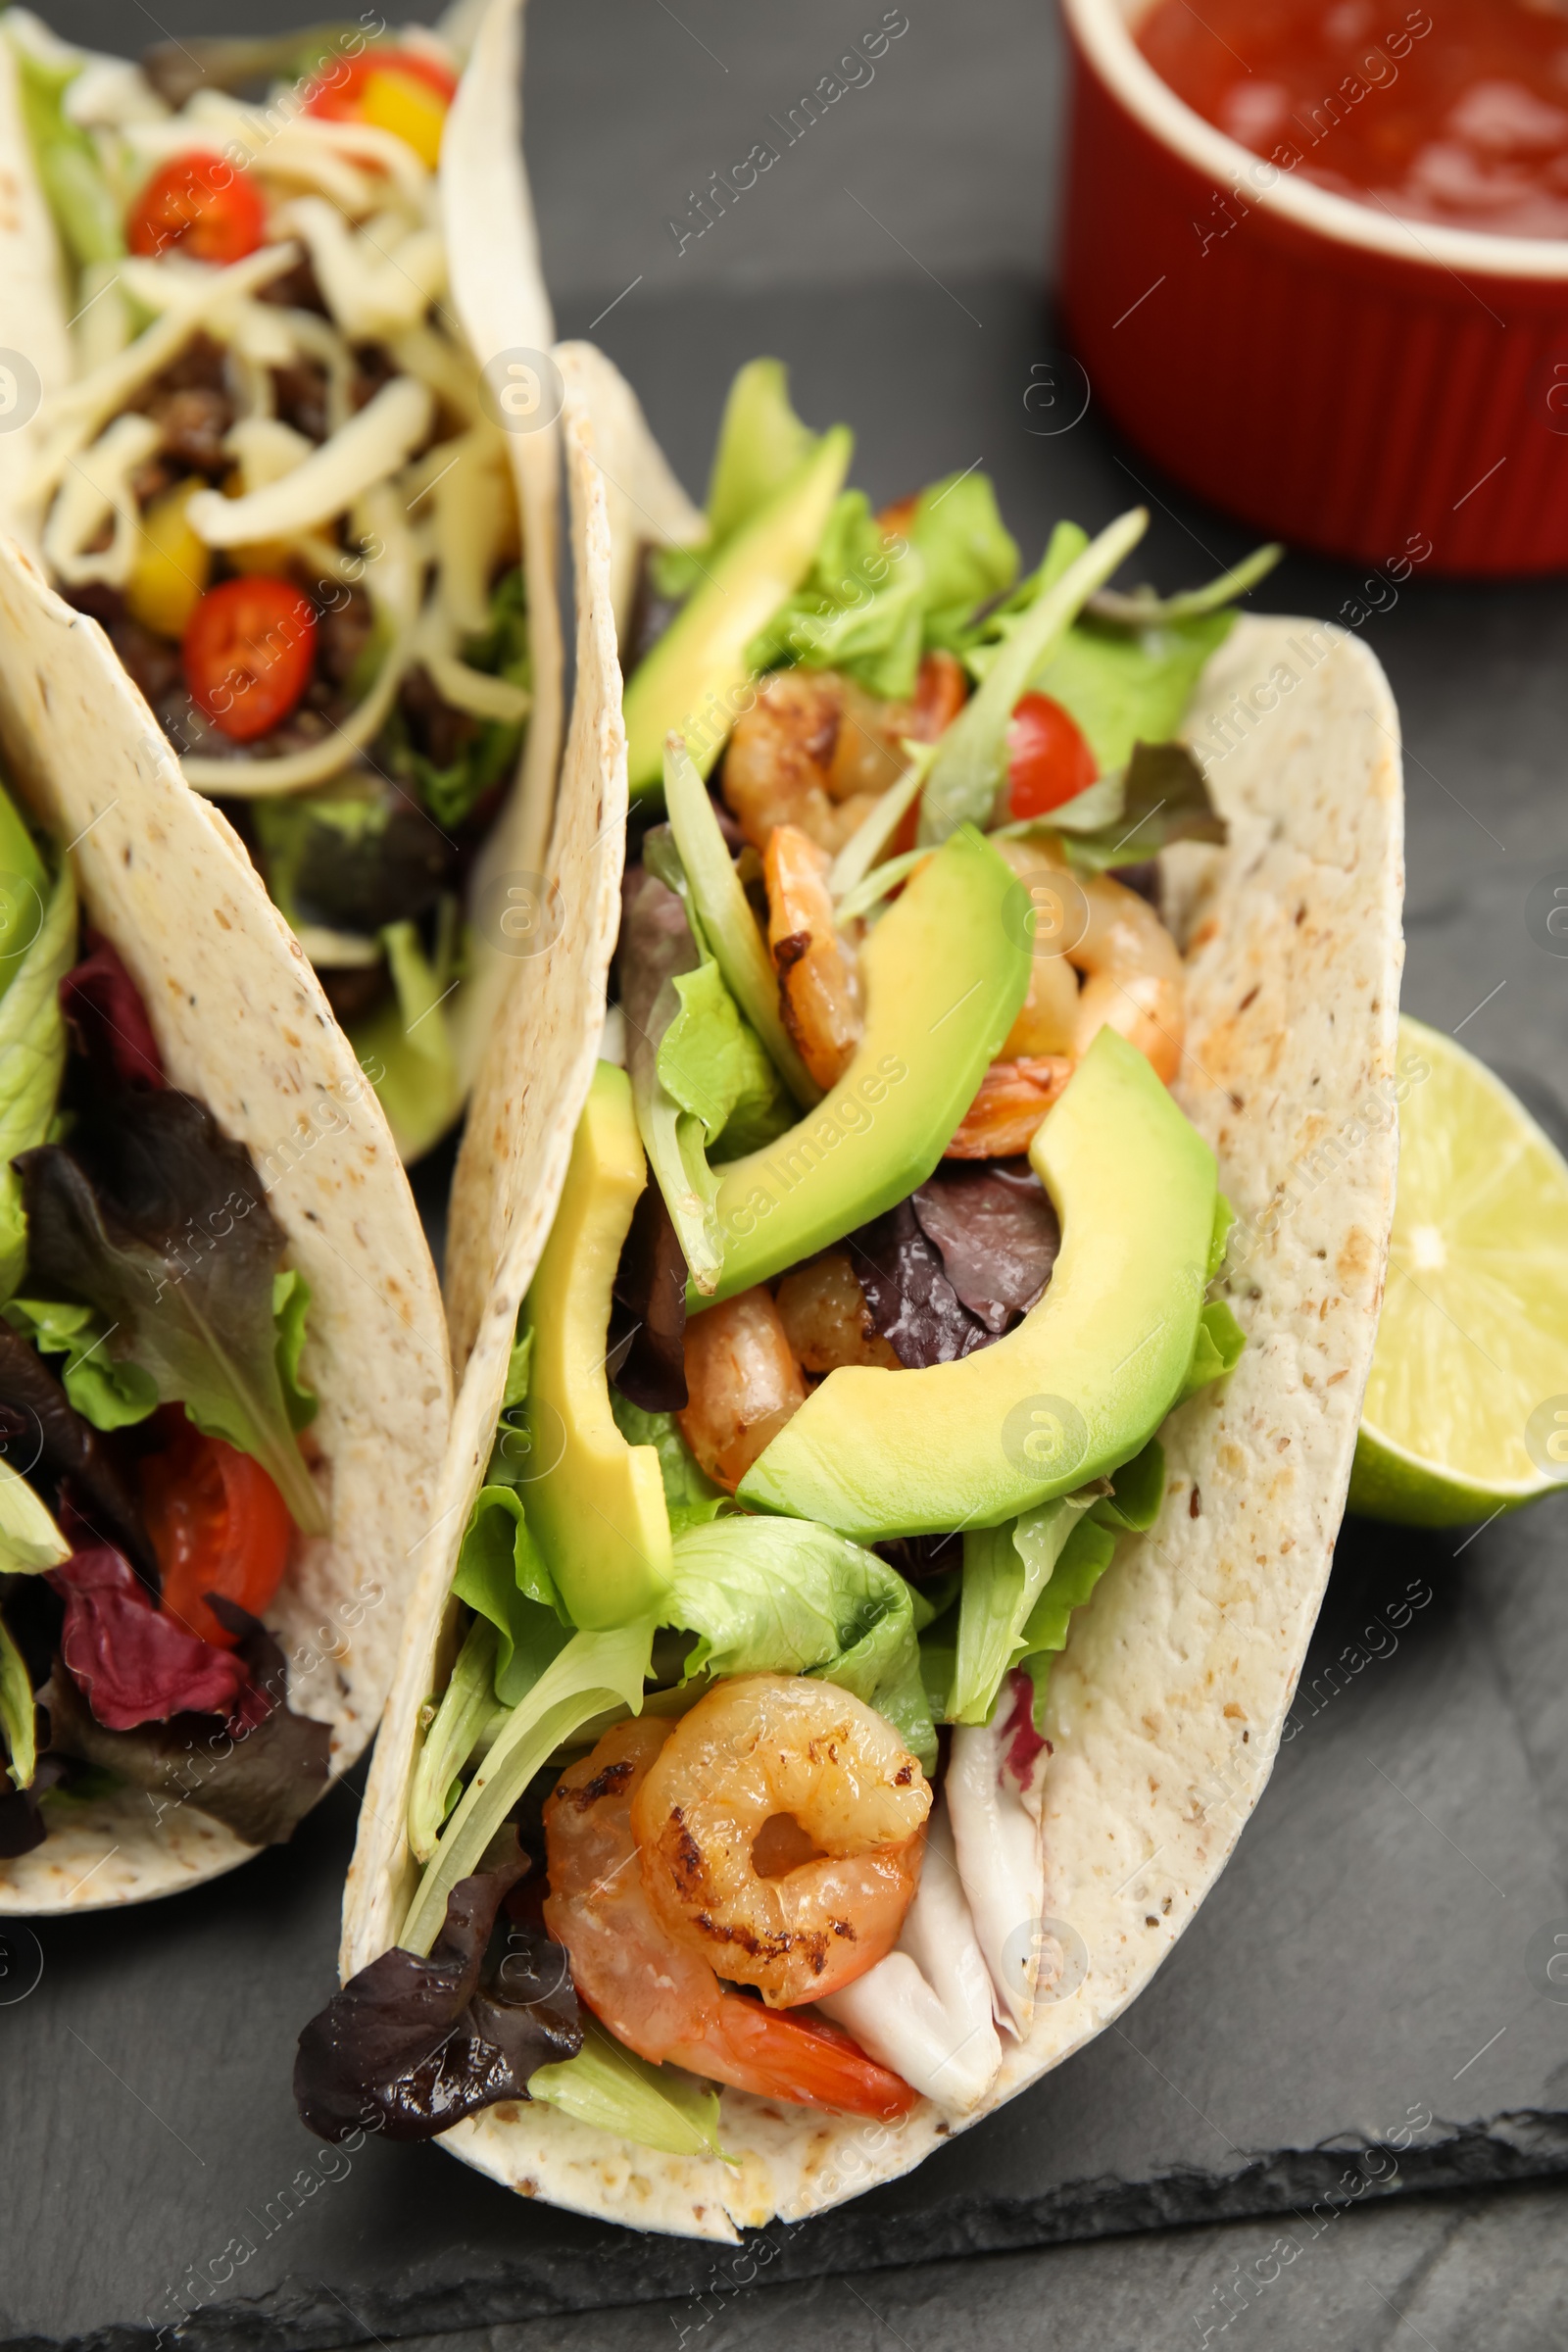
1466	1409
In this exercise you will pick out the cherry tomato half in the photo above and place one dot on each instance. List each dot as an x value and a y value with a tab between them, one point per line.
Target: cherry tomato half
1047	760
217	1524
248	652
202	204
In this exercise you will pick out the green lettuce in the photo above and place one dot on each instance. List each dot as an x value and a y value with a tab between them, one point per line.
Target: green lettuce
1216	1350
291	1303
593	1673
1085	1557
1160	796
501	1574
871	614
1126	686
18	1717
408	1040
1004	1571
466	1706
970	768
787	1597
712	1063
654	2106
32	1028
110	1392
198	1320
84	207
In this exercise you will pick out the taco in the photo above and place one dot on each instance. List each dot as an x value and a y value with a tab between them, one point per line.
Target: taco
224	1394
888	1512
282	423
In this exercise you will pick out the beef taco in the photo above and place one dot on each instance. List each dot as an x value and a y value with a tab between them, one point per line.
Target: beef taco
892	1497
225	1392
281	422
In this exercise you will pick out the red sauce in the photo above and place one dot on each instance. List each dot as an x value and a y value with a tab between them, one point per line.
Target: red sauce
1458	116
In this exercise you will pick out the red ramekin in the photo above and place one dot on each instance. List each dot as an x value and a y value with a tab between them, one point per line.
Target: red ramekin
1367	387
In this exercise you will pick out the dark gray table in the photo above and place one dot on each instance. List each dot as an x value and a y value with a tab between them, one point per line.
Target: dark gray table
1369	1970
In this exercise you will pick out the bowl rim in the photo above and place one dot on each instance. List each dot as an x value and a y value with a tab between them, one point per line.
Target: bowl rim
1102	30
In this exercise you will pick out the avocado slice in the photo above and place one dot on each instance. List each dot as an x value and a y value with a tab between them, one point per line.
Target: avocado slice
694	679
598	1508
943	973
1082	1382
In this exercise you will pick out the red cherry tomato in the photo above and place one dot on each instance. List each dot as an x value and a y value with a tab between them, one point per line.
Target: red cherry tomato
1047	760
217	1524
248	652
338	92
201	203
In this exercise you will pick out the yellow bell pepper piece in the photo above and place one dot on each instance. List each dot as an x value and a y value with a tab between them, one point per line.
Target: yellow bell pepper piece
397	101
172	565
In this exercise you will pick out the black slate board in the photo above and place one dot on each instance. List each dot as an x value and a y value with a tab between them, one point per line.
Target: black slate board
1361	2007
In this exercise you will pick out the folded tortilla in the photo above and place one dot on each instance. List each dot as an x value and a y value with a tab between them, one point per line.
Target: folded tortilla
1166	1708
242	1024
497	293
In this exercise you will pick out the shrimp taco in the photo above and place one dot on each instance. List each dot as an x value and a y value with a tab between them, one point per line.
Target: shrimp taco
280	421
225	1392
889	1510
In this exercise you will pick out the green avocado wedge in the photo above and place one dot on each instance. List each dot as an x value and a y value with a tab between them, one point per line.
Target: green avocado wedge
944	973
694	681
598	1507
1082	1382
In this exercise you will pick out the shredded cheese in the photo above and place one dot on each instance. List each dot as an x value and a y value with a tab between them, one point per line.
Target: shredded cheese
96	487
361	453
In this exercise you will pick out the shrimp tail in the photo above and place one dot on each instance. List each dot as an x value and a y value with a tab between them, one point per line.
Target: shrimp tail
803	2060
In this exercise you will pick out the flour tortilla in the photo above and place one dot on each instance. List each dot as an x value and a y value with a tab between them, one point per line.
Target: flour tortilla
1165	1711
242	1024
497	294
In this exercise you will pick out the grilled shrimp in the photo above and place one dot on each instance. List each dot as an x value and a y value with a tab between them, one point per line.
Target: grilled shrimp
1014	1098
1132	968
781	1831
1131	982
816	750
825	1317
656	1995
818	987
741	1384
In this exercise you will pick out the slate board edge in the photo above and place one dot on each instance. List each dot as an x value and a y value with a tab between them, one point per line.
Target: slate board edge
299	2316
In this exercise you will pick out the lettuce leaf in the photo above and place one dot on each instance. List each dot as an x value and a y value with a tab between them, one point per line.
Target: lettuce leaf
1005	1569
156	1221
787	1597
712	1063
501	1575
110	1392
655	2106
467	1705
1085	1557
1160	796
32	1028
690	1495
19	1720
291	1303
872	615
85	206
1216	1350
1125	686
594	1672
409	1042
